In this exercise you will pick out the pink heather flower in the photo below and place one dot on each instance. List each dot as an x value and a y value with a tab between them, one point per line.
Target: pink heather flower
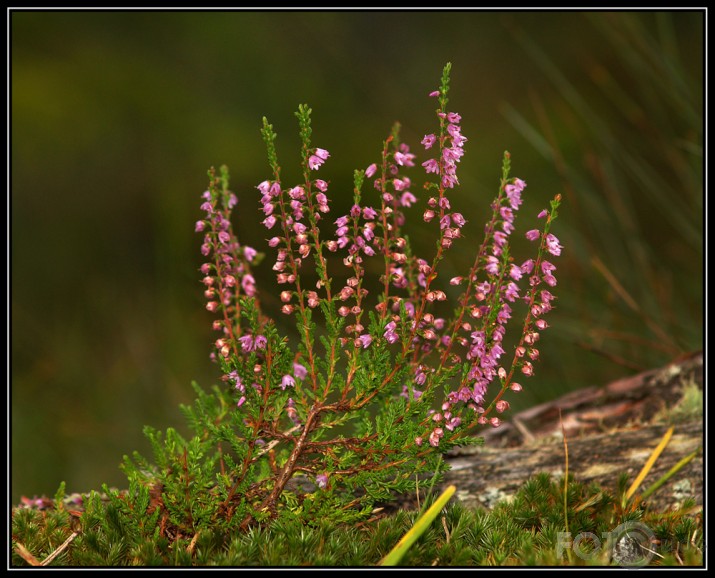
369	213
314	162
241	401
296	193
552	245
390	334
365	340
502	405
248	283
247	343
401	184
249	253
200	225
300	371
547	267
515	386
435	436
371	170
512	292
434	93
515	272
527	266
458	219
321	480
533	234
492	266
454	117
527	368
275	189
456	280
431	166
322	154
542	214
321	185
400	158
513	194
550	280
428	215
506	214
495	422
429	140
287	381
269	222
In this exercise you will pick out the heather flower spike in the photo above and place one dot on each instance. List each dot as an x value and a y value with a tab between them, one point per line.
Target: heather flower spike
351	374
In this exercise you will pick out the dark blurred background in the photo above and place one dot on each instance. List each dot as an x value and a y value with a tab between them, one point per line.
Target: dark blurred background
116	117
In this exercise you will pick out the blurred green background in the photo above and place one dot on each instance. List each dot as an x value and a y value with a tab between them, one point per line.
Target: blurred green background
116	117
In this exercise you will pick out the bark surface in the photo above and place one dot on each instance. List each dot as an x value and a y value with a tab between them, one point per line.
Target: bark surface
609	430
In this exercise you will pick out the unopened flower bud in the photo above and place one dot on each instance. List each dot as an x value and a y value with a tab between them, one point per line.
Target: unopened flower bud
531	338
502	405
286	296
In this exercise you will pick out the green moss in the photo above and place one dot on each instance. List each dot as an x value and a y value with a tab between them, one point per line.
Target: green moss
528	531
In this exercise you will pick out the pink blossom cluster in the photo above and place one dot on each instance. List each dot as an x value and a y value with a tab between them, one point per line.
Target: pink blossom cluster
409	303
227	275
446	166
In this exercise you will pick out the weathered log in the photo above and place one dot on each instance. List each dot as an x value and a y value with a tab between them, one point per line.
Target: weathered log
609	430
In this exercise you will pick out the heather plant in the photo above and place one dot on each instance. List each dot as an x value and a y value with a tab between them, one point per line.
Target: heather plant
391	363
